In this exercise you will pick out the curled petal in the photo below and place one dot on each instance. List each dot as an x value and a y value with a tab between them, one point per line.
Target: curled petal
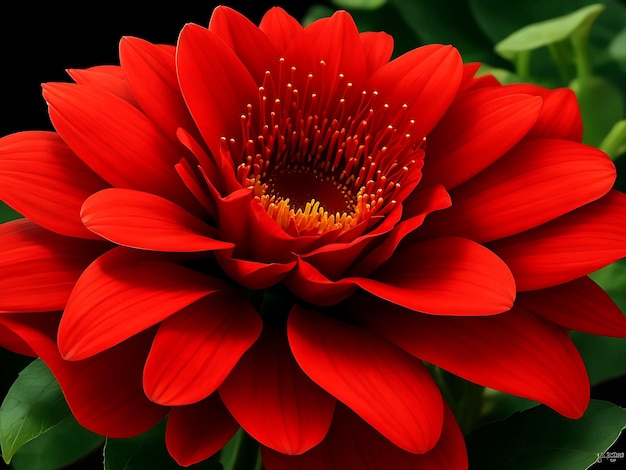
569	247
352	444
273	400
121	294
195	349
579	305
444	276
196	432
514	352
312	286
391	391
38	268
252	274
41	178
142	220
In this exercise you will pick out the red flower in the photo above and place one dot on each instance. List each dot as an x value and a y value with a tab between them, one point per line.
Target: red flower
272	227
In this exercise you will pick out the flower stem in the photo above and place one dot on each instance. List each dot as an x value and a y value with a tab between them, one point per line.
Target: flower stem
247	454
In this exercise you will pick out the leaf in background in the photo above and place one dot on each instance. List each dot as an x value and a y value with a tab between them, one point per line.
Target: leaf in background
361	4
33	405
66	443
617	49
147	451
541	439
604	357
6	213
541	34
614	143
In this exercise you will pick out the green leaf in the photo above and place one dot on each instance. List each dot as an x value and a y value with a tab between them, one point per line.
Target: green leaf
544	33
604	357
147	451
601	106
32	406
64	444
360	4
541	439
6	213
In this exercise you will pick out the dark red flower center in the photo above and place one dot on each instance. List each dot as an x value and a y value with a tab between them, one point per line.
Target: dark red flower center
325	156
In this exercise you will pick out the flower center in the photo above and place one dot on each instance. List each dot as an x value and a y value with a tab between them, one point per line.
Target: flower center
325	156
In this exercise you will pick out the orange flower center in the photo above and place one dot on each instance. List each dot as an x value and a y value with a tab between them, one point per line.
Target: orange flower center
324	158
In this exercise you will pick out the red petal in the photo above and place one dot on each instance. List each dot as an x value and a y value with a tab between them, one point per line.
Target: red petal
444	276
41	178
579	305
514	352
196	432
426	79
483	124
206	67
121	294
142	220
536	182
249	43
378	48
194	350
38	268
106	77
312	286
115	140
104	392
273	400
13	342
352	444
391	391
280	28
151	72
252	274
569	247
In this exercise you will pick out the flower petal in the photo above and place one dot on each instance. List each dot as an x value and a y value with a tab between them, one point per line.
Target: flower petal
142	220
150	71
514	352
38	268
353	444
487	124
312	286
579	305
247	41
121	294
536	182
196	432
378	48
252	274
426	79
569	247
195	349
387	388
273	400
92	387
444	276
14	342
41	178
280	28
96	124
106	77
205	67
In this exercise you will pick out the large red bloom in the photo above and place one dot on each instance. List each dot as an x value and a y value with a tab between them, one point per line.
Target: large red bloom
272	227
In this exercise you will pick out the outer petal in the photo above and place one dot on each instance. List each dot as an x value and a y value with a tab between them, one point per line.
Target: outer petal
387	388
479	128
104	392
273	400
38	268
378	48
280	28
579	305
121	294
142	220
13	342
196	432
444	276
206	66
569	247
41	178
426	79
194	350
97	125
151	72
536	182
247	41
106	77
352	444
514	352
